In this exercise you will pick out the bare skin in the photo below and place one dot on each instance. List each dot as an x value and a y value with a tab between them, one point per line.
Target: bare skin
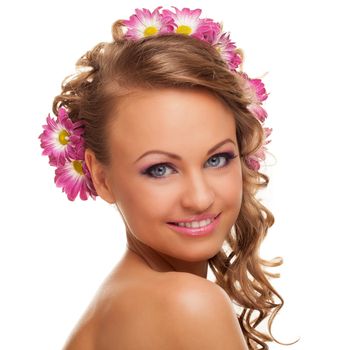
113	321
159	261
126	276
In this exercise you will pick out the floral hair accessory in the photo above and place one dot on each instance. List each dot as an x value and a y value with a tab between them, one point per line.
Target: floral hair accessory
63	141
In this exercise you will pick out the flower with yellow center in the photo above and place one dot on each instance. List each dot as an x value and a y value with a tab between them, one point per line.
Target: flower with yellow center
184	29
152	30
78	167
63	137
59	136
186	20
144	24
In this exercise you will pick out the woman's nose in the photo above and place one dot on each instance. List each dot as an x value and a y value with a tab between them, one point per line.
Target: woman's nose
197	195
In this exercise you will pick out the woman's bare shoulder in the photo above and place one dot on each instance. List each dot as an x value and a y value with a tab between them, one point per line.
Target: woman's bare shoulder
202	313
139	301
150	315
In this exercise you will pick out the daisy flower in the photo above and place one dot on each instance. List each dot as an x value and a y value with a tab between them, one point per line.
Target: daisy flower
59	136
144	23
74	177
187	21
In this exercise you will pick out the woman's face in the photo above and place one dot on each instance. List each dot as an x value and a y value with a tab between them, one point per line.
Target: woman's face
154	189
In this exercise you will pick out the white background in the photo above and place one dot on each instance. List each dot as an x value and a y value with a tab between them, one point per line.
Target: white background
55	253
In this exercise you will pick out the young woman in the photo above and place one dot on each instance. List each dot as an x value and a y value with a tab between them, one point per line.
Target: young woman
163	123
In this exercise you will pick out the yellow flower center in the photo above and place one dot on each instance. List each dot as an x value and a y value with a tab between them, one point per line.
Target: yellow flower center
150	31
78	167
184	30
63	137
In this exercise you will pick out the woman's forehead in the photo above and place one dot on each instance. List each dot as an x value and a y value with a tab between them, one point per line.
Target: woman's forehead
172	121
171	109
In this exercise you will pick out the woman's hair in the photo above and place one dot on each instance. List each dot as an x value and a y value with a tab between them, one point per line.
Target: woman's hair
110	71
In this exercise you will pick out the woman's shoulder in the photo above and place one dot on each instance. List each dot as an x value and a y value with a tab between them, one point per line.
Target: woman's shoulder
141	313
151	292
164	289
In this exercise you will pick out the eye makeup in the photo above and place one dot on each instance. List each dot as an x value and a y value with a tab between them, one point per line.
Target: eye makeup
149	170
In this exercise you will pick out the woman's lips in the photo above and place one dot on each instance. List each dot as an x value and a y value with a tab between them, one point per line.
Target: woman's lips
196	231
196	218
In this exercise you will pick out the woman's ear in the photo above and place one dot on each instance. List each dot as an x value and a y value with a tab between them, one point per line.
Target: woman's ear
99	177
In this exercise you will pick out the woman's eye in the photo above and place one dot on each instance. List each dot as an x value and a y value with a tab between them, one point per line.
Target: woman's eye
228	156
159	170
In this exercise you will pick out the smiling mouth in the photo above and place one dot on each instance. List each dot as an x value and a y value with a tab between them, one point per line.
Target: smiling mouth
190	222
195	229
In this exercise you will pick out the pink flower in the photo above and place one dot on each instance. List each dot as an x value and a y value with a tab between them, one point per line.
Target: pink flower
268	132
59	136
209	30
254	160
253	163
258	111
258	86
256	92
74	177
187	21
144	23
63	142
227	49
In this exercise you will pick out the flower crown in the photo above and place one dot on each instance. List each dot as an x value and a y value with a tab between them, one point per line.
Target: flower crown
62	140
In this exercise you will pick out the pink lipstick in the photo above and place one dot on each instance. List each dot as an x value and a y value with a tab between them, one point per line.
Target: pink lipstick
196	231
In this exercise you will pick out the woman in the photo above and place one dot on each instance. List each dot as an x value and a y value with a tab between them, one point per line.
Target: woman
163	124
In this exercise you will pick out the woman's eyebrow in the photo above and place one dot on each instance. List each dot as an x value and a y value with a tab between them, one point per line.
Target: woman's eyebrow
175	156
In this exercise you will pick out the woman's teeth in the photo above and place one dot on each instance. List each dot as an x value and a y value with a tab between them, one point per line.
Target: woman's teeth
194	224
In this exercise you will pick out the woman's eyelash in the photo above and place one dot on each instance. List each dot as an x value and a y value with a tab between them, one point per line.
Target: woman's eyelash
149	171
